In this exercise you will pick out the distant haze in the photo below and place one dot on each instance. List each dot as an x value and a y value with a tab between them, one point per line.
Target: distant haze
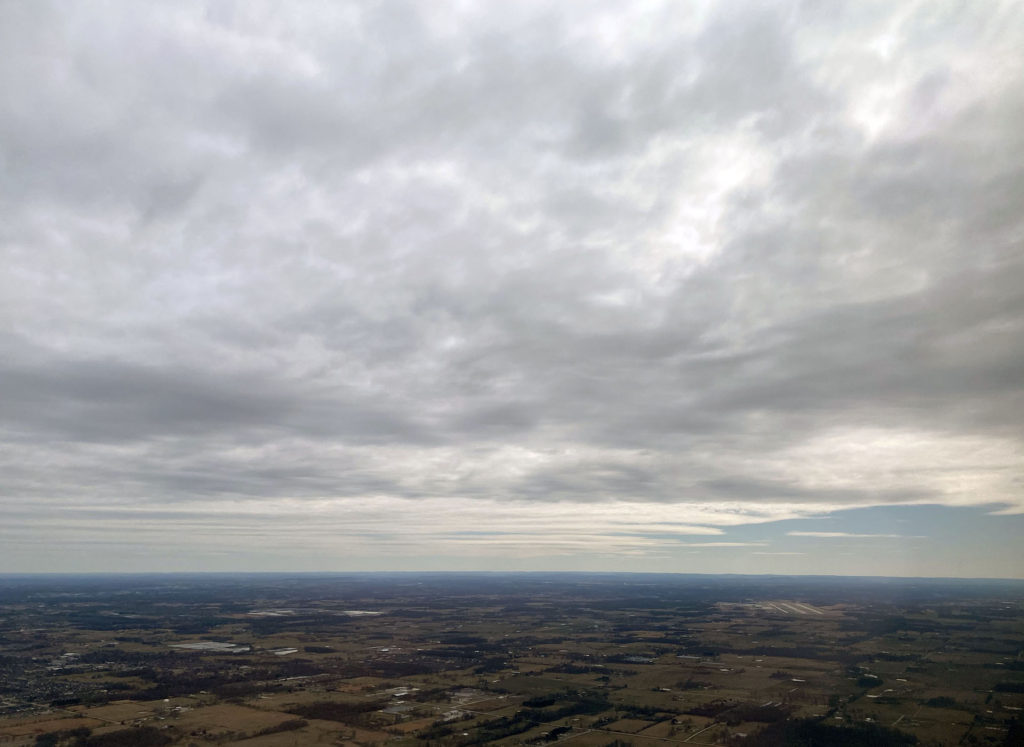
690	287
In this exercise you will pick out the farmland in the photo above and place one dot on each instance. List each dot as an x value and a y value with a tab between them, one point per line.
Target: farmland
595	659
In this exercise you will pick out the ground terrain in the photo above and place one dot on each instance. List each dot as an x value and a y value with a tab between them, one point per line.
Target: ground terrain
594	659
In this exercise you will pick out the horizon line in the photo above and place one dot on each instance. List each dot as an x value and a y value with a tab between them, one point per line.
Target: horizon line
80	574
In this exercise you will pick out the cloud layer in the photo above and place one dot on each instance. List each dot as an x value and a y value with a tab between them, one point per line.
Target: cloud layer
545	267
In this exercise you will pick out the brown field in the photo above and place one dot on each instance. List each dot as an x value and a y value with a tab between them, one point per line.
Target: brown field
129	711
628	725
227	717
32	727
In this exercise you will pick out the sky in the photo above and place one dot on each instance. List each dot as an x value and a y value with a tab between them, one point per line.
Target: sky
710	287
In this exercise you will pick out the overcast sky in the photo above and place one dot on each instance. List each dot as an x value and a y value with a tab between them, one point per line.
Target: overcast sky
379	285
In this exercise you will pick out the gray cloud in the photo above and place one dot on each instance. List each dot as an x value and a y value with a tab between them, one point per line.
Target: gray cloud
733	255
